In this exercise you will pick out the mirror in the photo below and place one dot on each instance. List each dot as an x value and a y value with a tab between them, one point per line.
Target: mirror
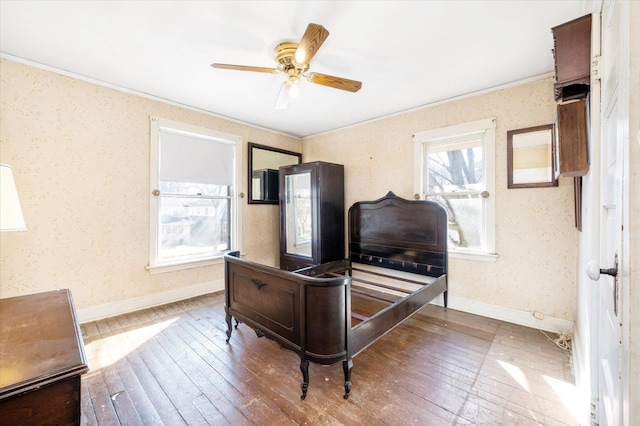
530	157
264	162
298	206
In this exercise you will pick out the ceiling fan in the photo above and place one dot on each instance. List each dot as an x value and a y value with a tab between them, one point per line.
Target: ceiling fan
293	59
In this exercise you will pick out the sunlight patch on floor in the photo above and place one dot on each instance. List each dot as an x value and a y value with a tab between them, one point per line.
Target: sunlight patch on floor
110	349
517	374
567	394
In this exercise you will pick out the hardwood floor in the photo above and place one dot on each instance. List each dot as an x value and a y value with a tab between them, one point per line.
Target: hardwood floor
170	365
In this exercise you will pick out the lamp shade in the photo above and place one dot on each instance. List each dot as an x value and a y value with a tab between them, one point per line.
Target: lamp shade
11	218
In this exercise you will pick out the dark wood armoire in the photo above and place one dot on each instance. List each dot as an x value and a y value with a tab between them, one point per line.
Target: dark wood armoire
312	215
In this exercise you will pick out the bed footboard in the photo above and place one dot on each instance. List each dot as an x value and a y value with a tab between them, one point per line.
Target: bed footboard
310	316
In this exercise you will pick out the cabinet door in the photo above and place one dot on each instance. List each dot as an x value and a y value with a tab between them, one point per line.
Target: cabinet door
572	56
298	213
571	139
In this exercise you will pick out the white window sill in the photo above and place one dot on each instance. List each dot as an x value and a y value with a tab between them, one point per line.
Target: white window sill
478	257
171	267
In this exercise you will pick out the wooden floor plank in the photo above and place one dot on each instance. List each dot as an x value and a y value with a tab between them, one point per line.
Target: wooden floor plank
89	330
86	407
119	397
172	365
103	410
139	395
102	326
229	375
178	345
176	385
162	404
209	411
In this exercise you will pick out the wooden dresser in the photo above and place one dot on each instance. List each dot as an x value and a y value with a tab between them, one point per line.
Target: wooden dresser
41	360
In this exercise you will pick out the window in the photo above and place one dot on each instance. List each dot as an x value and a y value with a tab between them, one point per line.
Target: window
455	167
194	212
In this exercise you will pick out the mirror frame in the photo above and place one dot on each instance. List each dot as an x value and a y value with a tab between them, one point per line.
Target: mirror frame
513	134
251	147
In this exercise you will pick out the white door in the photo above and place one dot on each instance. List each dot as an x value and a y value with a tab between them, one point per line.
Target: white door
614	129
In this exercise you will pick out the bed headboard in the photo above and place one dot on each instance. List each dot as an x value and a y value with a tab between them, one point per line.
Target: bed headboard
400	234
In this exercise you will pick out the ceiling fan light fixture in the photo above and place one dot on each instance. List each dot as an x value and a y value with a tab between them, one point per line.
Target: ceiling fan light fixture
293	83
289	90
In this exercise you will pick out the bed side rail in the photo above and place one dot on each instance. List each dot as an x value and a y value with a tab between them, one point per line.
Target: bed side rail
367	332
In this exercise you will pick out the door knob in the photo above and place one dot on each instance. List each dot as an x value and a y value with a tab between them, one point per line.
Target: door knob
594	271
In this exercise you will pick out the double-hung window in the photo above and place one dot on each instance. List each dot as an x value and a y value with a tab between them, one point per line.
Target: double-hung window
194	208
455	167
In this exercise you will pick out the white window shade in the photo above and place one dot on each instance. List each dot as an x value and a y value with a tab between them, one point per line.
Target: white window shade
194	159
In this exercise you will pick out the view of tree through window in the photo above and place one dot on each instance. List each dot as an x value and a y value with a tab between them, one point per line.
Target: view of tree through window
454	170
455	167
455	179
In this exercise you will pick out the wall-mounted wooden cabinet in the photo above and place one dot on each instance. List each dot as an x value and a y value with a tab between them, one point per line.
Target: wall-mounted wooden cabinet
312	220
572	57
571	139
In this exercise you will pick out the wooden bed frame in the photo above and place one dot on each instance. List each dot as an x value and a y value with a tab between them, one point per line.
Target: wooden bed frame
328	313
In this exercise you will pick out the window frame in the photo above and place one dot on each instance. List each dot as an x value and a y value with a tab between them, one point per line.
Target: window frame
485	129
155	265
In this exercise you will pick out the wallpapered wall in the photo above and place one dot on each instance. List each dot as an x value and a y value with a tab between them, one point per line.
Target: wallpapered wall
80	155
536	240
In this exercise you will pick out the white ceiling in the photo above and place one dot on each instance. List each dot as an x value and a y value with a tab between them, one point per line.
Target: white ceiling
406	53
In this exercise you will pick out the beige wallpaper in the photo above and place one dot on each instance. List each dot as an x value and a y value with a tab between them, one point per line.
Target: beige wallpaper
80	156
536	240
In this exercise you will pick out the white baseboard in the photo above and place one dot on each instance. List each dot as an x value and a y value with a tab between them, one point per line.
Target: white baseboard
526	318
130	305
514	316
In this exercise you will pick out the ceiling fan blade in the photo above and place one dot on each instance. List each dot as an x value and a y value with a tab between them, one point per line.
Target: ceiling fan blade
335	82
311	41
245	68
